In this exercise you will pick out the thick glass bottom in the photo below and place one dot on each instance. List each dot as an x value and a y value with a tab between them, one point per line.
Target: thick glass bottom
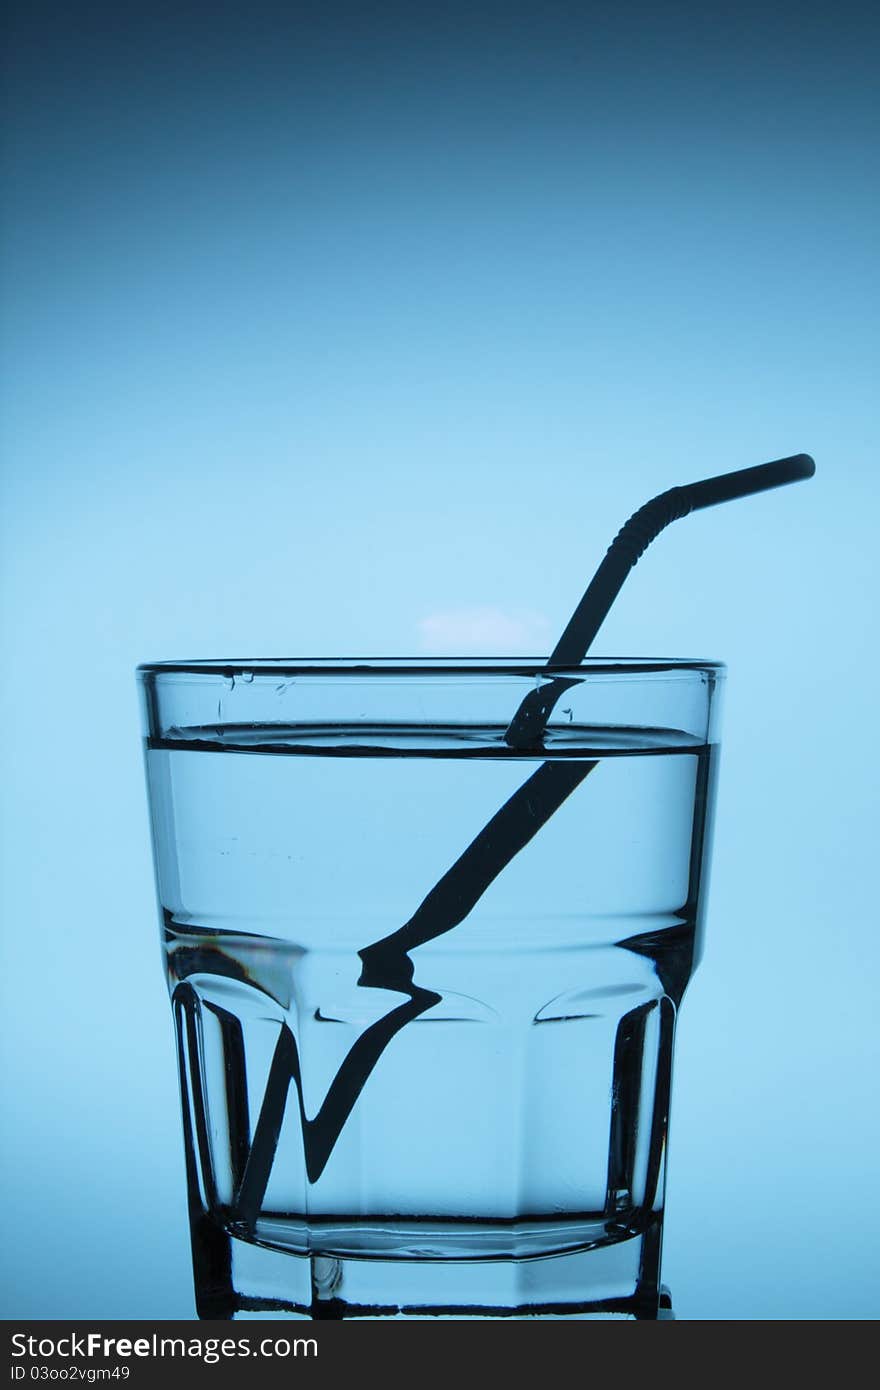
239	1278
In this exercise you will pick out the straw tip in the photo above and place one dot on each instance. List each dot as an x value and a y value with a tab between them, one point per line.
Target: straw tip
805	465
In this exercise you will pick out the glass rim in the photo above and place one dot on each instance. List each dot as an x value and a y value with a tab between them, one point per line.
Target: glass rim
424	666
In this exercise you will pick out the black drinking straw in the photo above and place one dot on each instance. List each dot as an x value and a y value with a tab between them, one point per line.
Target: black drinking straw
386	963
632	540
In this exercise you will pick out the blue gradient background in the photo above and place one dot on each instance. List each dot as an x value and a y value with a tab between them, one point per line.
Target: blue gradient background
332	330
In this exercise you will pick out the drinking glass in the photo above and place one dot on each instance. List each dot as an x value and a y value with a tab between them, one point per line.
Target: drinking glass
425	980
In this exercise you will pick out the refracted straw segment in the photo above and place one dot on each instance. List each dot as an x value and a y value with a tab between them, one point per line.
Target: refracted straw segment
386	963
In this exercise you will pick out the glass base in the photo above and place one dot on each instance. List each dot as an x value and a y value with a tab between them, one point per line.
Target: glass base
238	1279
